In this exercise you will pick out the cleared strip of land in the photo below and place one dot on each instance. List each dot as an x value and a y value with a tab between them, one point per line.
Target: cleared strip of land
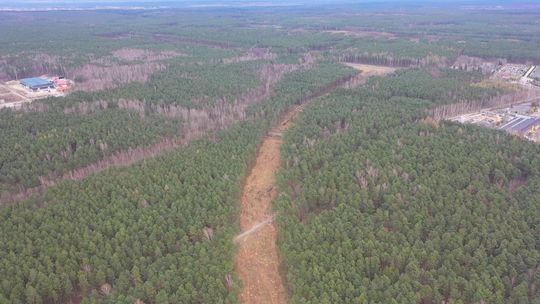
257	260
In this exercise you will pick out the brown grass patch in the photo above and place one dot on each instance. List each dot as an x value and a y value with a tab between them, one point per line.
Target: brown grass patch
497	84
372	70
366	71
10	97
430	121
257	260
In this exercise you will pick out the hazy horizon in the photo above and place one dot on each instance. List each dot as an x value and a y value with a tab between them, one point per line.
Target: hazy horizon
40	4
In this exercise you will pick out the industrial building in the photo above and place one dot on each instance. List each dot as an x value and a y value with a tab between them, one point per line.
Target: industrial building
15	93
522	120
37	83
521	124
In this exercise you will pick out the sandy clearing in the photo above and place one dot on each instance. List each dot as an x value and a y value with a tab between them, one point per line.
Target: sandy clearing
373	70
366	71
257	260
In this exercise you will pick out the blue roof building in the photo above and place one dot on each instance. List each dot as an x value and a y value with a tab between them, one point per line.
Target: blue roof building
37	83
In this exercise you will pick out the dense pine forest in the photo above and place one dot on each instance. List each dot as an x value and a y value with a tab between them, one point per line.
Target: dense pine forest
383	203
129	188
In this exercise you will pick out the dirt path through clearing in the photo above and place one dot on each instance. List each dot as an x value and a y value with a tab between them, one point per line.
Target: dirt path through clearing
257	260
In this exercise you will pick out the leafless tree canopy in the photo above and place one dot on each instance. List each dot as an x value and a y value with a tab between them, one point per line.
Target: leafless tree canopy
93	77
468	106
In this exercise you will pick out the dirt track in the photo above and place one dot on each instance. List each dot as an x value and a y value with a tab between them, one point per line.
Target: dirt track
257	260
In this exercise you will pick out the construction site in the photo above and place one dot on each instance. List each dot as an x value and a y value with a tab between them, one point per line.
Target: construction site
522	120
15	93
522	74
511	72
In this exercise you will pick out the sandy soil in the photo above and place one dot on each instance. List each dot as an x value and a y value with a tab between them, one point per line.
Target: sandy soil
16	88
257	260
367	71
3	90
10	97
372	70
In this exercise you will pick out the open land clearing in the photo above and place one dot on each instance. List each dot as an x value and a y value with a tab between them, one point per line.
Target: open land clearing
366	71
257	260
11	97
520	74
13	94
372	70
511	71
497	83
